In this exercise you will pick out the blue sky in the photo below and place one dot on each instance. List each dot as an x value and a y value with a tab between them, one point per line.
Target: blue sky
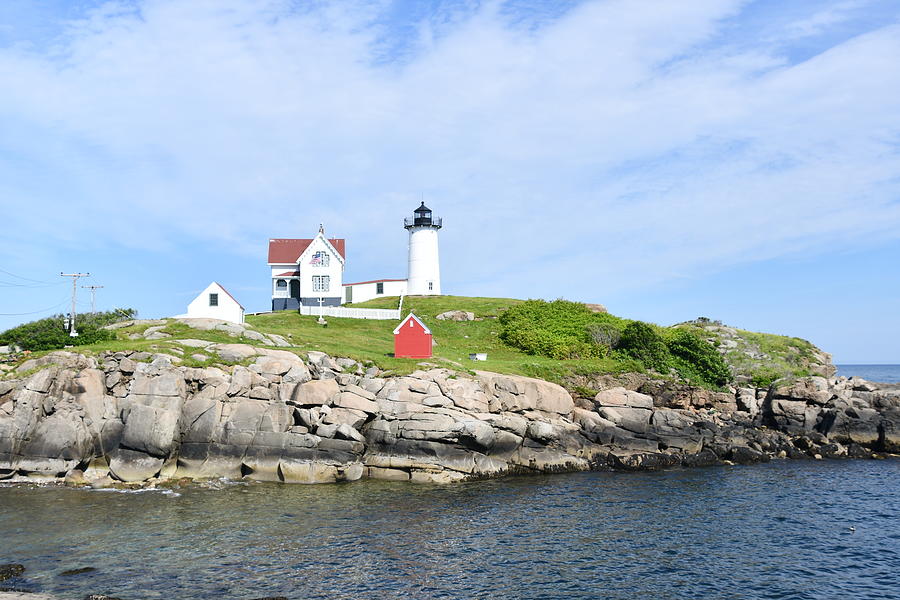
736	160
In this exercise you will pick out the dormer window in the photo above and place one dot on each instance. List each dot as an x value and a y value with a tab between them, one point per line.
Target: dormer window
320	259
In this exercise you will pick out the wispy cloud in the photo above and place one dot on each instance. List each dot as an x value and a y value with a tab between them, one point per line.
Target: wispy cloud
611	145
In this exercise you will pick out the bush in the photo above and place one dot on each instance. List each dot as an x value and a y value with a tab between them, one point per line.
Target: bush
640	341
555	329
51	333
605	335
697	359
763	377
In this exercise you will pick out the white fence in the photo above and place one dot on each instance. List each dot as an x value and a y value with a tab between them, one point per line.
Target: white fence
382	314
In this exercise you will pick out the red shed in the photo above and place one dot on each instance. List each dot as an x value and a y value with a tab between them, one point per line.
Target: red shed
412	339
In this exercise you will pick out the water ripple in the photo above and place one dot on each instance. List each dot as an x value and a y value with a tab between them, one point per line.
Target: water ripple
780	530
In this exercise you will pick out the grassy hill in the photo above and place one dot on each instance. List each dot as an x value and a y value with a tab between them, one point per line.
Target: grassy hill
750	356
454	341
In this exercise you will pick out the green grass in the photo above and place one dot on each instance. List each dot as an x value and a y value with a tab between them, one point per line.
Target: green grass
373	341
370	341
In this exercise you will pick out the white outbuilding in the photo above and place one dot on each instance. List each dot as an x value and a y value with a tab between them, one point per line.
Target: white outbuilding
215	303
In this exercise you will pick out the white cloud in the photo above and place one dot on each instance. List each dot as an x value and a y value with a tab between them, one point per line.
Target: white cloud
618	145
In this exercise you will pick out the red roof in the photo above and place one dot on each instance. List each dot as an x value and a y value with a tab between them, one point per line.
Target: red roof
289	274
373	281
286	251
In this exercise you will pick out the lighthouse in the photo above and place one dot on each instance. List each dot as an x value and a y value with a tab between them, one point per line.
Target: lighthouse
424	276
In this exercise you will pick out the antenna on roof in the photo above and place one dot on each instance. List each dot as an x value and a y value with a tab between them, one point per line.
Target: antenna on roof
321	229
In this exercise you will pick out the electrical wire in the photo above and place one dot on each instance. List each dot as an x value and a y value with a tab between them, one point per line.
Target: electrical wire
36	311
29	279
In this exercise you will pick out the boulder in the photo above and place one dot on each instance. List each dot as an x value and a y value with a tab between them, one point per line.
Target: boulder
150	430
355	402
636	420
315	393
234	352
620	397
133	466
456	315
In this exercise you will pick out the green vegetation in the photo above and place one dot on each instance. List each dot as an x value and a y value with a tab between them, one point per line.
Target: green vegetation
556	341
695	359
51	333
641	341
565	330
758	358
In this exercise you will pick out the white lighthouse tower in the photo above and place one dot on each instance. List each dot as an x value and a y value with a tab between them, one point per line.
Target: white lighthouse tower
424	278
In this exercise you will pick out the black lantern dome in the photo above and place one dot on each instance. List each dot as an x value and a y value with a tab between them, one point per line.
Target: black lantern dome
422	217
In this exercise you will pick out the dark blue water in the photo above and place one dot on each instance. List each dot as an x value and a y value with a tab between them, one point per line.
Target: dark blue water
779	530
882	373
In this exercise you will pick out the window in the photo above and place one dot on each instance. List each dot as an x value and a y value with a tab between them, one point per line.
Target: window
213	299
320	259
321	283
430	286
379	287
281	285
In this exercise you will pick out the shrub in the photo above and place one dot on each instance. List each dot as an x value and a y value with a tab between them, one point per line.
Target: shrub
763	377
605	335
51	333
697	359
639	340
555	329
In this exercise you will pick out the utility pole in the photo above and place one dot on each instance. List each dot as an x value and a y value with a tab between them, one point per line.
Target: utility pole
93	289
74	276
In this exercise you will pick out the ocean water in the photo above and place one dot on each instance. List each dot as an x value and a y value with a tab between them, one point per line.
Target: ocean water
777	530
882	373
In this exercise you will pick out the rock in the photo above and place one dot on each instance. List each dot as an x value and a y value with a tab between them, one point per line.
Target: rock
636	420
276	366
75	478
315	393
151	430
345	432
642	461
456	315
541	432
132	466
78	571
355	402
234	352
10	570
476	433
387	474
620	397
298	373
743	455
353	418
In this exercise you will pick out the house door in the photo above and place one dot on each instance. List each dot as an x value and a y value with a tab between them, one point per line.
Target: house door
295	288
349	298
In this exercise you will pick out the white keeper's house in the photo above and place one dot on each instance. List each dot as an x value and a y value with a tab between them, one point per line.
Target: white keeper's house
309	272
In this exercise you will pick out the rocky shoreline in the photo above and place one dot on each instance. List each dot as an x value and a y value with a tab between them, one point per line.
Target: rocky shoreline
134	418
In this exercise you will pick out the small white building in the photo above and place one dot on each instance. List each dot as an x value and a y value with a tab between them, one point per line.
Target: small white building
377	288
215	303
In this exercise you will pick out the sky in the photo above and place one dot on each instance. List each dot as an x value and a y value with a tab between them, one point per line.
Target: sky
731	159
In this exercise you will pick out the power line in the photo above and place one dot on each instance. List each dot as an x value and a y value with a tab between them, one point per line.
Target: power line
28	285
28	279
34	312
